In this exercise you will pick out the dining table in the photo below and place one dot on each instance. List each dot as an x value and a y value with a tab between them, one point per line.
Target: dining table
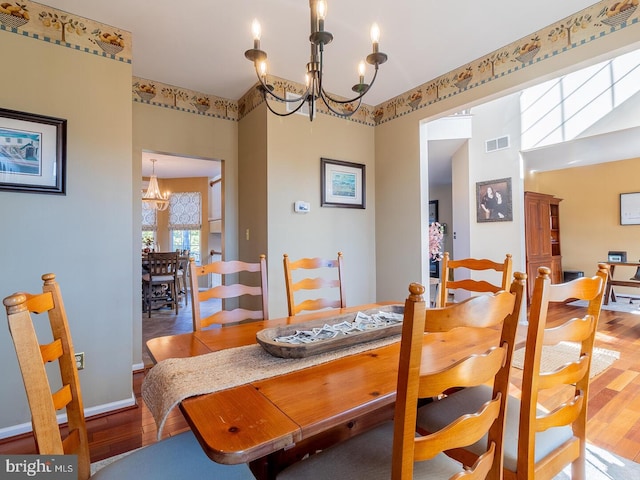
274	421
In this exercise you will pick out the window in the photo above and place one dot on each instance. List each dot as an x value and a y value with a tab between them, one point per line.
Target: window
149	226
148	239
185	222
187	240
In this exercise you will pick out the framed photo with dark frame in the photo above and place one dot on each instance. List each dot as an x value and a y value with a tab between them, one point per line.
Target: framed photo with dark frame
433	211
342	184
33	153
494	202
630	208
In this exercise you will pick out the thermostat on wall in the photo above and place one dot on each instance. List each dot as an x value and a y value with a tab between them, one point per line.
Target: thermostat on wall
301	207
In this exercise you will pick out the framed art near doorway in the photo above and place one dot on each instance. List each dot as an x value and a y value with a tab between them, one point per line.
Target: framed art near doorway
433	211
32	152
494	202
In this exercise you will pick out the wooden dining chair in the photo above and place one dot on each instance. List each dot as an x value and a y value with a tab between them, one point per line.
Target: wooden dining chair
544	432
448	268
393	450
161	273
180	456
182	274
322	285
236	283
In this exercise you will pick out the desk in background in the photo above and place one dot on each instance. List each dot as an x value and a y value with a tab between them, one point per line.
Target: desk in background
612	282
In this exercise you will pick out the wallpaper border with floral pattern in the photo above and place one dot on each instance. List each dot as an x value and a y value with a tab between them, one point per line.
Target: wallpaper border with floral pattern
58	27
44	23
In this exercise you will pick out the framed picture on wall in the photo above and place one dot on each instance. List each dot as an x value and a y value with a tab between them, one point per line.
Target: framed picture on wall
630	208
494	202
433	211
32	152
342	184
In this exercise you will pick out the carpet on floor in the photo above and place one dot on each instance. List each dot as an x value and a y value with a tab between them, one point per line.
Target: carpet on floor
627	304
554	356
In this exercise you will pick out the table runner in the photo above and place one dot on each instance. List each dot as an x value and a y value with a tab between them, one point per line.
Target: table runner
175	379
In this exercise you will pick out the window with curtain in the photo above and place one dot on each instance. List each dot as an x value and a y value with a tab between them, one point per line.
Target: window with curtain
149	225
185	222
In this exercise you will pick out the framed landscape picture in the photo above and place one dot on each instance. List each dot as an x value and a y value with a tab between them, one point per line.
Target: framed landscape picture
630	208
342	184
494	203
32	153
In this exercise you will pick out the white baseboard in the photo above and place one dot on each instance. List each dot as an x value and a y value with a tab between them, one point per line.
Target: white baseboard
137	367
14	430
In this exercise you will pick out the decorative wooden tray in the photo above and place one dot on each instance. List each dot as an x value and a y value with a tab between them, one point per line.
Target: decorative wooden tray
267	337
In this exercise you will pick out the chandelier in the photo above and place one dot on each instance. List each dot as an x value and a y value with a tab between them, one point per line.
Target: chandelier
152	196
315	89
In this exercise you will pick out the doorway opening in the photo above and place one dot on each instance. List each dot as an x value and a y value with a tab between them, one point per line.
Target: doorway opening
192	224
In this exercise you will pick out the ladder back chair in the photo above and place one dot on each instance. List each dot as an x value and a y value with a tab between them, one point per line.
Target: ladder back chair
183	269
176	457
544	433
309	266
162	269
505	269
232	273
393	450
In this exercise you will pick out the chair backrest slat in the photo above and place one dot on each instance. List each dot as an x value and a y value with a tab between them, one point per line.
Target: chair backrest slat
314	266
447	283
235	287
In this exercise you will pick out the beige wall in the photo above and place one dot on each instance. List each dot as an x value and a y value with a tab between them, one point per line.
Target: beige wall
85	237
252	186
252	195
294	149
400	251
590	214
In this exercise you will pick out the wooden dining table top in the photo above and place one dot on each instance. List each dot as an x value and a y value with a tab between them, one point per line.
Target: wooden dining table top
245	423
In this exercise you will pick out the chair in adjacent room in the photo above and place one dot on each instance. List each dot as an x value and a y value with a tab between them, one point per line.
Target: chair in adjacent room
243	292
160	280
393	450
448	268
333	281
183	270
179	456
544	433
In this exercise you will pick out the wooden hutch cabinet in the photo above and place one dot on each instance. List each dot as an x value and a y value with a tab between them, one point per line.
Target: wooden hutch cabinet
542	234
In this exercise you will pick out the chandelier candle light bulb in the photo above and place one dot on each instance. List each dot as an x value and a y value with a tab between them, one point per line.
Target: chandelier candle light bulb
361	70
255	29
321	10
375	37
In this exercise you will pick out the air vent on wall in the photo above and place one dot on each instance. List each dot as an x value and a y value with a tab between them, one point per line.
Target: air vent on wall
292	105
499	143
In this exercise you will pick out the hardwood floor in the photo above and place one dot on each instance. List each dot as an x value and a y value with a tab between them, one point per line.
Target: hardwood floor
614	400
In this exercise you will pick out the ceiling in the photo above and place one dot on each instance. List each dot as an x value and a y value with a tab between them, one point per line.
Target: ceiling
200	44
172	166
